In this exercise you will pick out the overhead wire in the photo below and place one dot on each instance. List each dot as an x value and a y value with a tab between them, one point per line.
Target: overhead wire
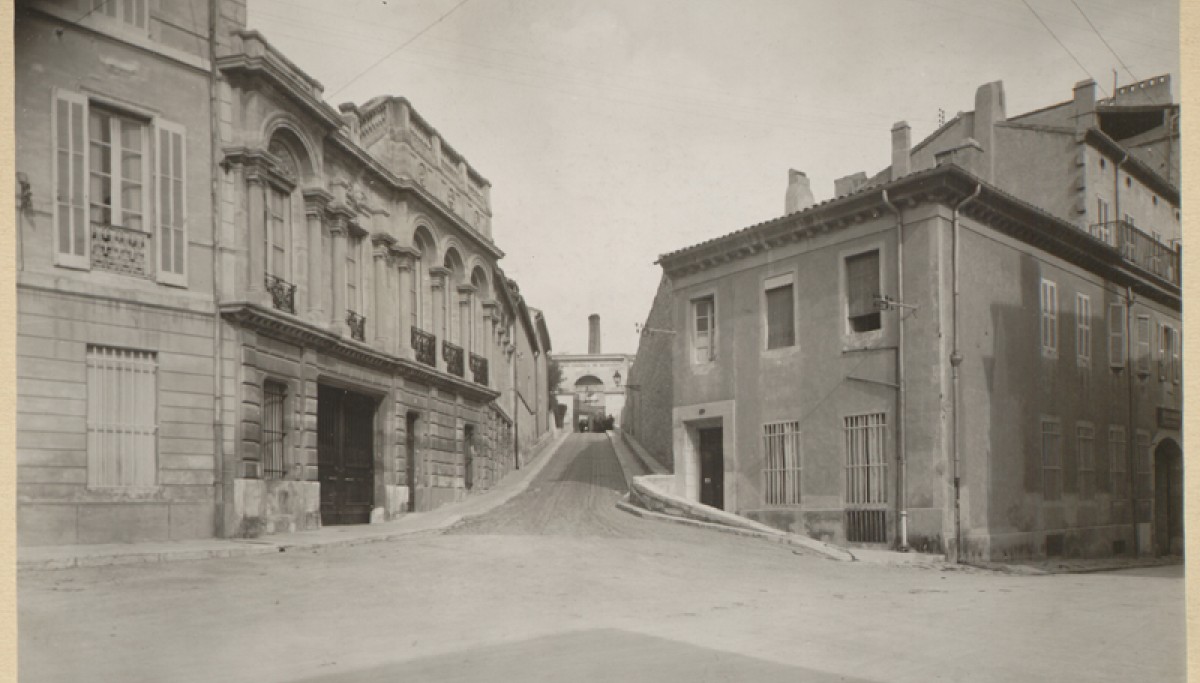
1061	43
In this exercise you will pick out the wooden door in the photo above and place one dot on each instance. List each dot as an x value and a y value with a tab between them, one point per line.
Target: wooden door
712	467
345	455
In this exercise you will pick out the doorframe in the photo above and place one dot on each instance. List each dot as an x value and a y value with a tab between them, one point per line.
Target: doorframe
380	421
686	424
1157	442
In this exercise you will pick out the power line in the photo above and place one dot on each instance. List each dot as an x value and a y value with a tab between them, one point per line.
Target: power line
1062	44
1102	39
399	48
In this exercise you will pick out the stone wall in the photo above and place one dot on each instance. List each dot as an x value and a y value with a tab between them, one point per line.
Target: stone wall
649	390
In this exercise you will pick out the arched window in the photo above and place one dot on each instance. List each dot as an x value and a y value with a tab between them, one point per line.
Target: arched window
279	209
452	314
420	293
483	293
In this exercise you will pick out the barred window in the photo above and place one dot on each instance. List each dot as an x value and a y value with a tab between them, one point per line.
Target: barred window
782	463
866	462
273	429
122	423
1086	446
1052	474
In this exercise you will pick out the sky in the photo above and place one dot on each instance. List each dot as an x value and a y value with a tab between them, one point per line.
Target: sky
614	131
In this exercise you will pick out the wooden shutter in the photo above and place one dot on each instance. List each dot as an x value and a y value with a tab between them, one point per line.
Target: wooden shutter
171	202
781	319
122	420
71	230
1116	335
862	283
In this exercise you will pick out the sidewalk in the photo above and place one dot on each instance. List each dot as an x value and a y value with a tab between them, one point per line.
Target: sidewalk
515	483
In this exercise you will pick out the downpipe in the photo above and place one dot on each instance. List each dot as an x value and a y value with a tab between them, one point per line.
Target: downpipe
901	403
956	361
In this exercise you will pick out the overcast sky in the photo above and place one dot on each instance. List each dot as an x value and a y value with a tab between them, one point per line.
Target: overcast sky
613	131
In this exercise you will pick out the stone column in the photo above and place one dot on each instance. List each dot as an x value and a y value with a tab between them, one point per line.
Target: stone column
314	210
465	292
380	286
339	233
404	269
256	290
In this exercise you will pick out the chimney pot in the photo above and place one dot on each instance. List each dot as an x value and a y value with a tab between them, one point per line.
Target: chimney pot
901	150
799	193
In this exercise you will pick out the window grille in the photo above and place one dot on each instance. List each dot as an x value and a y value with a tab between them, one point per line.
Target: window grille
866	478
1083	329
122	425
273	429
1052	474
782	463
1086	445
781	317
862	286
1049	299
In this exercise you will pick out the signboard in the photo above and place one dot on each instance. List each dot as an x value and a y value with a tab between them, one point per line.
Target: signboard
1170	418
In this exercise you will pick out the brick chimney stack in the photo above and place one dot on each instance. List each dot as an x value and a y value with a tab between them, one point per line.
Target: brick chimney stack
901	149
799	194
593	335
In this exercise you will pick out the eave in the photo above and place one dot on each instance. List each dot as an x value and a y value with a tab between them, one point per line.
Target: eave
285	327
1144	173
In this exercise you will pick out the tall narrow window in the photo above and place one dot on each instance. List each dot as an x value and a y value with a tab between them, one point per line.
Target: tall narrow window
273	431
70	188
781	463
1049	300
1118	474
1086	450
866	462
703	330
862	286
172	252
279	225
1116	335
1083	329
122	424
353	246
781	316
1052	475
1143	344
1176	356
117	171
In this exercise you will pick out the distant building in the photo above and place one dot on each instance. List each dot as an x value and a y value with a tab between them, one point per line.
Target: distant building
243	311
593	384
962	354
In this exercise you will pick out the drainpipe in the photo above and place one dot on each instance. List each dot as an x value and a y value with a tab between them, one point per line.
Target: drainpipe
901	404
955	361
215	190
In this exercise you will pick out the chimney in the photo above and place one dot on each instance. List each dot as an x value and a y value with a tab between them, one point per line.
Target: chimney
901	150
799	194
1085	105
593	335
989	110
849	184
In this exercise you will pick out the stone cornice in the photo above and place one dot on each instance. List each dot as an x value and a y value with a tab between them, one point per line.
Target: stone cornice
288	328
259	59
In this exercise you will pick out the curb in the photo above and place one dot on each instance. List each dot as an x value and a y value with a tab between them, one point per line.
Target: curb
537	459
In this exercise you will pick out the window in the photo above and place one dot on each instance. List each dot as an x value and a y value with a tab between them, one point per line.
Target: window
781	463
122	418
781	312
1143	344
1052	479
273	431
1176	359
862	286
353	247
1083	329
1085	437
1169	369
132	12
1118	476
1049	299
103	161
866	463
279	226
703	330
1116	335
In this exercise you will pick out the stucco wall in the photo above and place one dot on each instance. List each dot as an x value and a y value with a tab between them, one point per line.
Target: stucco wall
649	391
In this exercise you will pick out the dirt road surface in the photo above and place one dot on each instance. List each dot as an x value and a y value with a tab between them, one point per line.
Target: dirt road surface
558	585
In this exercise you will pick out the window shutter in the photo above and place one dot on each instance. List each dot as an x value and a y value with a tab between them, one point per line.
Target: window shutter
862	283
781	320
1143	344
170	200
1116	335
72	234
1176	356
1164	352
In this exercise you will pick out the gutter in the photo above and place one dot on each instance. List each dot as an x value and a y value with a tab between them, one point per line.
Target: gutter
955	361
901	403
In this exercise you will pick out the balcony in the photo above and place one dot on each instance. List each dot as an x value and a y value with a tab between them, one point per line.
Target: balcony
424	346
1138	248
479	369
283	293
453	355
120	250
357	324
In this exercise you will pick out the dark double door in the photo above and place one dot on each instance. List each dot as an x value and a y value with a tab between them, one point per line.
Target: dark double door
345	455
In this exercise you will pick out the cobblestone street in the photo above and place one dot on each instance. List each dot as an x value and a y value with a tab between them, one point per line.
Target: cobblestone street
559	585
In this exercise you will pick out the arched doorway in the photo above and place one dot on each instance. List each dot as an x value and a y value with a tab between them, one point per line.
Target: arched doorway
1168	498
589	403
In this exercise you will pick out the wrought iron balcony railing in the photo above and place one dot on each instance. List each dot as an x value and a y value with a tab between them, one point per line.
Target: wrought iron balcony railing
357	324
453	355
425	346
1138	248
479	369
283	293
119	250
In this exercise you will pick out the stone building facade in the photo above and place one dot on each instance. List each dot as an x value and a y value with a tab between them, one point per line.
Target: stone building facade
593	385
930	361
242	310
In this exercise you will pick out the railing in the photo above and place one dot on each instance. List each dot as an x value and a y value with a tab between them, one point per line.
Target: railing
283	293
119	250
357	324
453	355
479	369
425	346
421	135
1138	248
373	123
